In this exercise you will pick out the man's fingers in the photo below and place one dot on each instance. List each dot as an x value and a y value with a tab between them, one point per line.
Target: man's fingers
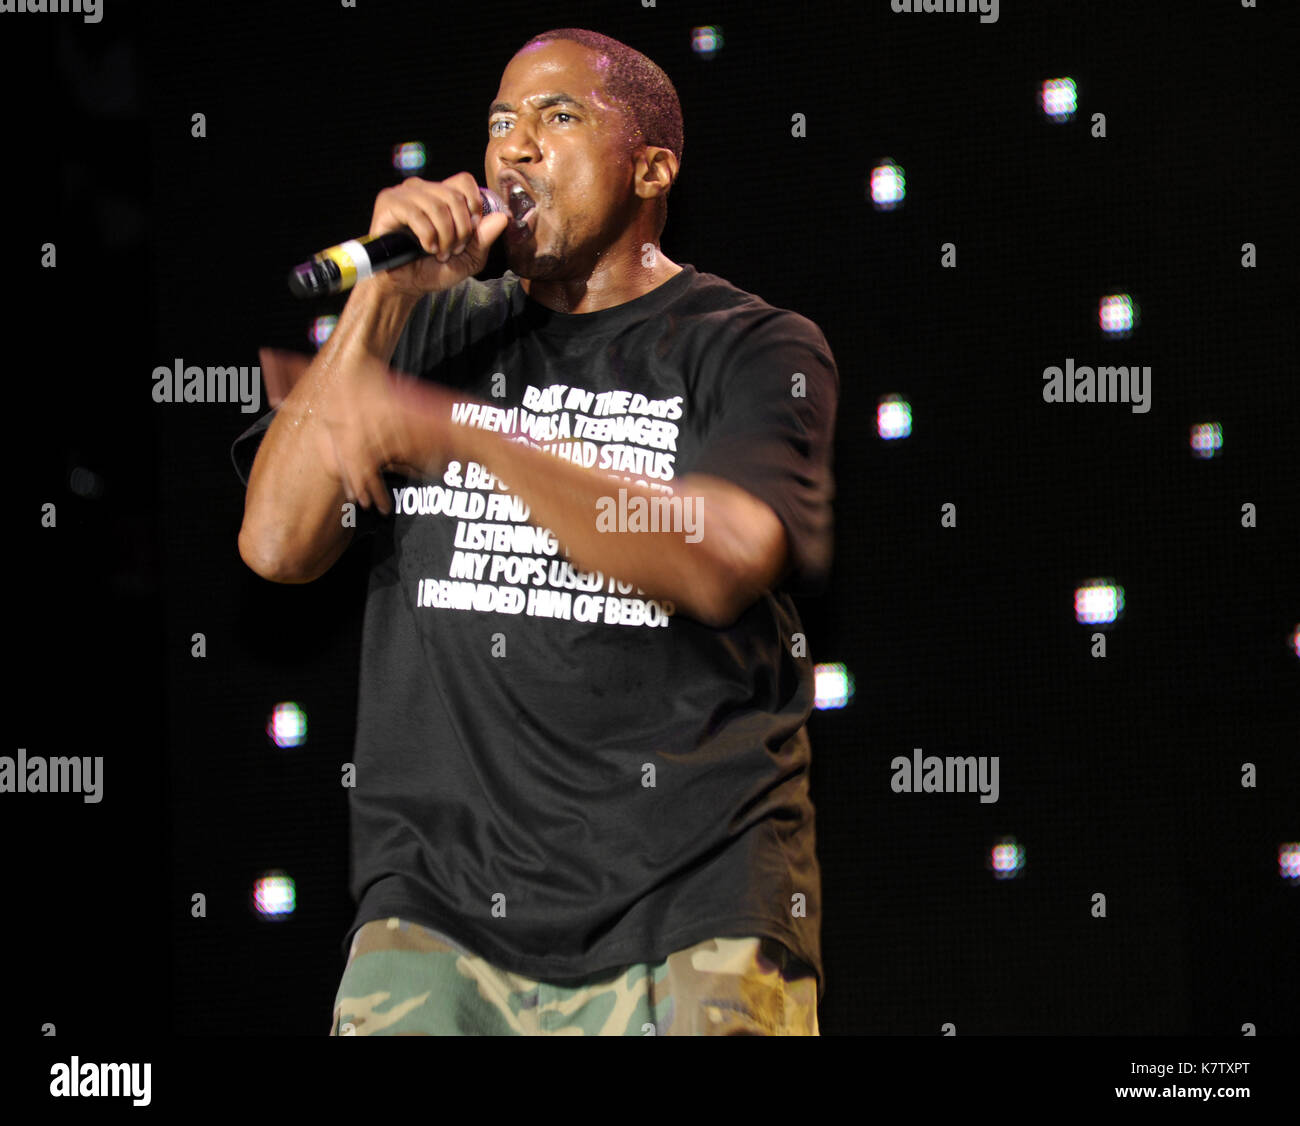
489	230
335	462
468	220
445	210
421	418
387	448
422	227
375	493
327	451
425	399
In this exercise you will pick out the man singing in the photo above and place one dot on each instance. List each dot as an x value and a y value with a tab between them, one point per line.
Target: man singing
581	801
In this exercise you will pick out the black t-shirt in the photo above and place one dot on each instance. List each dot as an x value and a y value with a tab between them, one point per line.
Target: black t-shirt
555	771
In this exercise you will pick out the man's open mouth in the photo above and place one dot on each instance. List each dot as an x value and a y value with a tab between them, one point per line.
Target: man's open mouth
520	204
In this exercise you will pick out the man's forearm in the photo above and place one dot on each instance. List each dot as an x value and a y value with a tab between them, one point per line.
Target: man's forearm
292	528
689	565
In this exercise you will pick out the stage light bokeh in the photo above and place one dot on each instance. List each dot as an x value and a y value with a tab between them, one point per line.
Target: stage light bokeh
894	417
1007	859
274	895
1098	602
887	186
706	41
834	686
1117	315
409	157
1058	99
287	726
1207	439
322	328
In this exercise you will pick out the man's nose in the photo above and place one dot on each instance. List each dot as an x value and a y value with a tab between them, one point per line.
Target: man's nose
520	145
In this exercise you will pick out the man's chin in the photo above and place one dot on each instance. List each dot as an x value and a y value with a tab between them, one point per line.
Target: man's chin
524	262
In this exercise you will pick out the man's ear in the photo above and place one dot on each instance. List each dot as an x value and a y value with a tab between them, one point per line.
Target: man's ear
656	169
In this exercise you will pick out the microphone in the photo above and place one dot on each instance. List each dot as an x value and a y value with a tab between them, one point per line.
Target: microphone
340	267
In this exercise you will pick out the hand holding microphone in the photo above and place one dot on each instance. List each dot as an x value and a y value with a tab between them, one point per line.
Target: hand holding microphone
425	237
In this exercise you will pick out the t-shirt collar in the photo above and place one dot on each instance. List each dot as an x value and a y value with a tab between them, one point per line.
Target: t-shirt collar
550	321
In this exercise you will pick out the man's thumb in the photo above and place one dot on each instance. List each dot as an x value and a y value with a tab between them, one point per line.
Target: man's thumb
489	229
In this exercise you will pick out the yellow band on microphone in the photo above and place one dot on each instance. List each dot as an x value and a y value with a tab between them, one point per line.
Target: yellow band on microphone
352	260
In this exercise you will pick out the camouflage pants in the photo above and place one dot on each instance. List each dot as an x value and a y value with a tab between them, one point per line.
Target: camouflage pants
403	979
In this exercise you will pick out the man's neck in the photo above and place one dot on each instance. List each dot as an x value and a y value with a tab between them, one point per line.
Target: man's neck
603	289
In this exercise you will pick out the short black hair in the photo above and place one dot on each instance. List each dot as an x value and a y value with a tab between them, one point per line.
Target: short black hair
638	85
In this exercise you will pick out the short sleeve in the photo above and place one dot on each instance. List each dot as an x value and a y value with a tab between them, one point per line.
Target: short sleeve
408	352
772	435
243	452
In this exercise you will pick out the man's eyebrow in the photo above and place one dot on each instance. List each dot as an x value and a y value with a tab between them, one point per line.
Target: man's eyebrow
541	103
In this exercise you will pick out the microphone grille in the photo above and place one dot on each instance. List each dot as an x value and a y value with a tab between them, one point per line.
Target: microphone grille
492	202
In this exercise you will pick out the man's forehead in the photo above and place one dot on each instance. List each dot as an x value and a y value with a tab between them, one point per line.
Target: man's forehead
541	102
543	72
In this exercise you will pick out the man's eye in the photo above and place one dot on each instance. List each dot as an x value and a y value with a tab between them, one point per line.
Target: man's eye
495	131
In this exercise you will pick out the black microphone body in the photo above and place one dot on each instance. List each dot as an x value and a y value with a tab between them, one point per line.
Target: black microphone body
340	267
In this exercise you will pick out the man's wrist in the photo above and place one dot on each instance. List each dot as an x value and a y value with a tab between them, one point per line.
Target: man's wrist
384	313
470	443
